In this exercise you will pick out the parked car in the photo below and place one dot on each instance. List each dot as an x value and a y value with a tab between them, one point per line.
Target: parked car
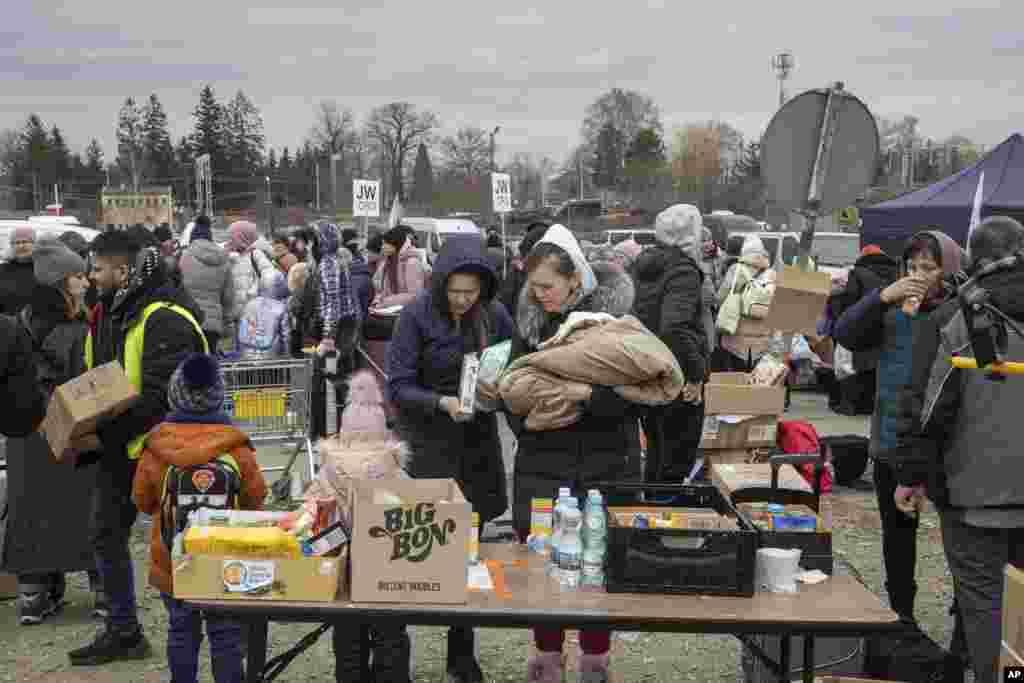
432	232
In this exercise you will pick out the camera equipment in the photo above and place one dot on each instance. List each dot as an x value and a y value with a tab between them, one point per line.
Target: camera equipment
986	324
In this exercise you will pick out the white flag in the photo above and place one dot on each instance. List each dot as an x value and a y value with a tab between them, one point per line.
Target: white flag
976	210
396	213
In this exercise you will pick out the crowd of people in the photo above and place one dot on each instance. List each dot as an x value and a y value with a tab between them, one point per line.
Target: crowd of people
163	309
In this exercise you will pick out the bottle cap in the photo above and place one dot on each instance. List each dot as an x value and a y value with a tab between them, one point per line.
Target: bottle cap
564	492
776	507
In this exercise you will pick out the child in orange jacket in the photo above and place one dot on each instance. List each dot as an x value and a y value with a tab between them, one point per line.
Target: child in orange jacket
196	432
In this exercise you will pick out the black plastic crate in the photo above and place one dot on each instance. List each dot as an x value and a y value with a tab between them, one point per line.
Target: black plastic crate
681	561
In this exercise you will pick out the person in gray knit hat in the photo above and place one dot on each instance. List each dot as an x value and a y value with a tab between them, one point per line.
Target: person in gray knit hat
53	263
196	391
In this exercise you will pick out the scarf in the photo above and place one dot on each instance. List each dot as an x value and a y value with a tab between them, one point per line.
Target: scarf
146	265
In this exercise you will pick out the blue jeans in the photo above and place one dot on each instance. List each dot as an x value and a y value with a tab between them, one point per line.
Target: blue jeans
185	635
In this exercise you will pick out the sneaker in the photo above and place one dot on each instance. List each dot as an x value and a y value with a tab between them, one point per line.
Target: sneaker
58	588
33	608
101	605
593	669
545	667
465	670
112	645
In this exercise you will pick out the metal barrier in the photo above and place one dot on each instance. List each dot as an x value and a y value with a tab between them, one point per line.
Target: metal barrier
269	398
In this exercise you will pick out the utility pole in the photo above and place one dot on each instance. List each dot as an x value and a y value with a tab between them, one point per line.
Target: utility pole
316	173
335	158
493	133
783	64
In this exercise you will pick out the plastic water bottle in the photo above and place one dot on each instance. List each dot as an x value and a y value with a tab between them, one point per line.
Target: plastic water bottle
564	493
595	541
570	550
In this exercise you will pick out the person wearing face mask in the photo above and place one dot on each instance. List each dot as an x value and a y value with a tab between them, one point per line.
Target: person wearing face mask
883	320
42	541
149	326
17	280
456	316
603	445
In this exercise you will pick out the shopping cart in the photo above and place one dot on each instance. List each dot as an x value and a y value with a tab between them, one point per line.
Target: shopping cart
269	398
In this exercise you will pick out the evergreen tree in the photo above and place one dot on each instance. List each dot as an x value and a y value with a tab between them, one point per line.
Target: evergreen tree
423	178
130	151
60	156
94	157
156	141
285	165
208	134
608	157
33	168
272	160
245	142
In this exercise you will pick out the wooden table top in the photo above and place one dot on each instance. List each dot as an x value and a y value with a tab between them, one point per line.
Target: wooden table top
524	596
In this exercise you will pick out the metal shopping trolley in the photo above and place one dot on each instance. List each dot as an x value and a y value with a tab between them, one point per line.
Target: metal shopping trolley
269	398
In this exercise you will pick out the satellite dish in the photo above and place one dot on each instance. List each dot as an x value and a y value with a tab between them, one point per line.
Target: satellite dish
846	155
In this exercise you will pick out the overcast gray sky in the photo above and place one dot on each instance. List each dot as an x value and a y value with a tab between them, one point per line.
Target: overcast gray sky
531	70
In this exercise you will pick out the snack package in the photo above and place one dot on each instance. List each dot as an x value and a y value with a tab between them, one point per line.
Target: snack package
541	521
493	361
467	384
256	542
769	372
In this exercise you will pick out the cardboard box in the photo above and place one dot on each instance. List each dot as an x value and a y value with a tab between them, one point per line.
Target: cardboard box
725	456
414	552
677	518
739	431
799	300
1013	609
1008	658
307	579
731	478
730	393
77	407
8	586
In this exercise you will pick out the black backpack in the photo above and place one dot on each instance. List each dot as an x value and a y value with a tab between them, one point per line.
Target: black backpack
910	655
216	485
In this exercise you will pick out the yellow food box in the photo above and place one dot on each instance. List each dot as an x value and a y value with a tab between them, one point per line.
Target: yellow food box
262	542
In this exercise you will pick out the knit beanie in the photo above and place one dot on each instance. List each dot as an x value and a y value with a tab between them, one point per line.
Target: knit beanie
871	250
163	233
52	262
243	236
197	386
364	411
297	277
23	234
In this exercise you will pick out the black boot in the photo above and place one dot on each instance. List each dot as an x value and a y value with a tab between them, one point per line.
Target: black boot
901	599
112	644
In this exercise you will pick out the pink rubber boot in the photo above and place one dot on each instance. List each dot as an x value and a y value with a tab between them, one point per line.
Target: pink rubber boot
545	667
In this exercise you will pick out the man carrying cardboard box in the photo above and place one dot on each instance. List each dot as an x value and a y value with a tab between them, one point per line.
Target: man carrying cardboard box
149	326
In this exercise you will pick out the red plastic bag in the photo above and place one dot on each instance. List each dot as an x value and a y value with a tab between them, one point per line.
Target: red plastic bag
797	436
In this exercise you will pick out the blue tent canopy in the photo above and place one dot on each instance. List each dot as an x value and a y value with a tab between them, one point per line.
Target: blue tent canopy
946	205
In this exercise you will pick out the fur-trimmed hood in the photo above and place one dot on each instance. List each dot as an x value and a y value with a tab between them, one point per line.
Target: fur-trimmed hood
614	294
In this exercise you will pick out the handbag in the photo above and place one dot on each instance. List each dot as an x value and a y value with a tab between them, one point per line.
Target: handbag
757	296
731	310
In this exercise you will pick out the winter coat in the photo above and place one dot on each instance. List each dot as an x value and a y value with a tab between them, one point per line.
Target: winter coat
168	339
960	432
246	270
306	308
618	353
206	274
411	276
602	446
669	303
752	338
17	281
872	325
871	272
362	284
265	326
425	363
185	445
39	535
24	403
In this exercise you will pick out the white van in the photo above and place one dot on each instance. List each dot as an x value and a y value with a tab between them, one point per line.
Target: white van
43	228
432	232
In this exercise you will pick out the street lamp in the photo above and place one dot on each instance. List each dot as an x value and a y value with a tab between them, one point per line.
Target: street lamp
783	64
493	133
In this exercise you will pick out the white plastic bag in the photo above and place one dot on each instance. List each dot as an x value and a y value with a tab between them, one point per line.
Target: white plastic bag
842	362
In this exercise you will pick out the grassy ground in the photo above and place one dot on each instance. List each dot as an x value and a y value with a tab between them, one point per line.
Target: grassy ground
39	654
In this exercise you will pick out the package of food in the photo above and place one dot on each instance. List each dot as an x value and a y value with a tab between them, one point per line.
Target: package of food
769	372
492	363
327	543
467	384
259	542
235	518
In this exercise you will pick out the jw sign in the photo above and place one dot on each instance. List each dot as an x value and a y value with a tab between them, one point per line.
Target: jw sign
366	198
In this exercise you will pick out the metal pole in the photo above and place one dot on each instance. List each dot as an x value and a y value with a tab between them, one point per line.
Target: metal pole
317	175
335	158
504	241
821	165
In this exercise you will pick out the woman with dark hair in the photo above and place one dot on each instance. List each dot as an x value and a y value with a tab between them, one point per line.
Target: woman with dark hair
604	445
42	540
513	284
456	316
884	320
401	274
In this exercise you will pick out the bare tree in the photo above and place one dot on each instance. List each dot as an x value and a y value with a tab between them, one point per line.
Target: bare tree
626	111
467	153
333	128
398	128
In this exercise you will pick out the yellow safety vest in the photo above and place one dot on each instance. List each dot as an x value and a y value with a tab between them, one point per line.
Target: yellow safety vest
131	357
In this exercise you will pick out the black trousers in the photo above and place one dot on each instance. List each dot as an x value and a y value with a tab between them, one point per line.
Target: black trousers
899	543
114	513
673	436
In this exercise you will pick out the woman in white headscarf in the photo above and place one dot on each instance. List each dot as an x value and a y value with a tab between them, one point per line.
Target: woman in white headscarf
742	350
